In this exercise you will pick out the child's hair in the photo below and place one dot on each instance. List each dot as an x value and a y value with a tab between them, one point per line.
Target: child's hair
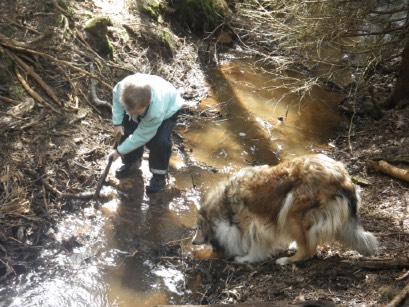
135	95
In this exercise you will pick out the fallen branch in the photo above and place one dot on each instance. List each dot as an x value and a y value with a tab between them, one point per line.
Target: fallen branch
35	76
389	169
9	43
34	94
384	263
400	297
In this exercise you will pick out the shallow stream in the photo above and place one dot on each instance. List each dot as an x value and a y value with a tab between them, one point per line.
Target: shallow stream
110	256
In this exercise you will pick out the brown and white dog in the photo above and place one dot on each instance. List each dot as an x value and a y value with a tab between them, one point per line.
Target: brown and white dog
260	210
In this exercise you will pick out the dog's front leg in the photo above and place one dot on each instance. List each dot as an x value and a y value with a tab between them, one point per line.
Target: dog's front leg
305	248
255	254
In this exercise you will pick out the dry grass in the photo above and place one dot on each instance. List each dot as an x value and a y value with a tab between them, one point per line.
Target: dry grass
321	40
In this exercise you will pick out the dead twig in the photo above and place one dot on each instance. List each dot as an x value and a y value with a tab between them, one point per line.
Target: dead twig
34	94
29	70
9	43
389	169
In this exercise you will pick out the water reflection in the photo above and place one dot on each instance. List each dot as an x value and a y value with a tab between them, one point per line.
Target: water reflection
255	120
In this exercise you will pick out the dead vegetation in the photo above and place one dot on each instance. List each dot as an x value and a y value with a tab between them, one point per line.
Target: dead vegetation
342	45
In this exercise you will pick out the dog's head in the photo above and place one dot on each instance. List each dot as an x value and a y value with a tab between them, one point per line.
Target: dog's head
204	231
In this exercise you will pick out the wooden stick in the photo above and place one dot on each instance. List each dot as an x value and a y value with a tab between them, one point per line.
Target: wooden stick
34	94
36	77
81	196
393	171
103	177
400	298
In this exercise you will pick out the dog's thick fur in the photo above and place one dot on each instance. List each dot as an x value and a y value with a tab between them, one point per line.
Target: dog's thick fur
260	210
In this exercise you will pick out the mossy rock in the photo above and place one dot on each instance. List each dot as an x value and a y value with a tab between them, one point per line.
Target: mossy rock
160	40
168	41
201	15
97	29
152	8
98	25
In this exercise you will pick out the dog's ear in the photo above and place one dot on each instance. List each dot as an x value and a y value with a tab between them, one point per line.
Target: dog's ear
199	237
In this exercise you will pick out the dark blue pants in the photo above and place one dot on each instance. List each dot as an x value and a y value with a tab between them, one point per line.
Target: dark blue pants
160	146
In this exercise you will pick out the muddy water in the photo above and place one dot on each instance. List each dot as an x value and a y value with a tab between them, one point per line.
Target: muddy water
110	255
253	121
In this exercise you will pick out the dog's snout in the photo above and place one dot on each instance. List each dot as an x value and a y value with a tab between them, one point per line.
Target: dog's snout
194	242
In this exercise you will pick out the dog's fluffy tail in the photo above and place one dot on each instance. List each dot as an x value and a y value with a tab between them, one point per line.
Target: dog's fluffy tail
352	235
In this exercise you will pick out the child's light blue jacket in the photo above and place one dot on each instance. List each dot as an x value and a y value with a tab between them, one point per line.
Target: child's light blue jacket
165	102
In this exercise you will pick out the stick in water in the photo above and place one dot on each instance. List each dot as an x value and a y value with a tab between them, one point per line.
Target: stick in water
102	179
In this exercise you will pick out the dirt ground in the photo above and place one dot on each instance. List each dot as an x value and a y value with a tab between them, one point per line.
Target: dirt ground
46	153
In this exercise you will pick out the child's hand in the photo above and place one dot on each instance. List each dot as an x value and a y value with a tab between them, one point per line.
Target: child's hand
114	155
118	132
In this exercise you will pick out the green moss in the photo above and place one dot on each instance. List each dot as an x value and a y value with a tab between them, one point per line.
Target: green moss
202	15
97	29
167	40
152	8
98	25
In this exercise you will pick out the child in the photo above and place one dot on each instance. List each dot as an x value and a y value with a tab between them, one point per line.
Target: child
144	112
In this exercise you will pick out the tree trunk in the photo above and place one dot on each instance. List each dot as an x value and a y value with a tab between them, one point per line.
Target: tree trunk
400	95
